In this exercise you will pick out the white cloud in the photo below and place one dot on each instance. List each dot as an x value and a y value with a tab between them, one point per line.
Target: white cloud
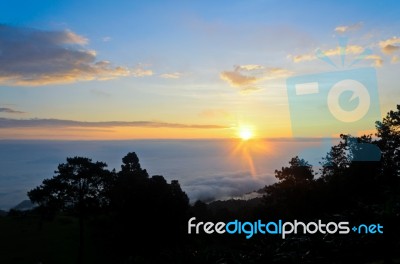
66	36
174	75
140	72
251	67
225	186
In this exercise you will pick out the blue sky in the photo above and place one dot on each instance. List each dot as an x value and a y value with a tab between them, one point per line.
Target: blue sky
177	69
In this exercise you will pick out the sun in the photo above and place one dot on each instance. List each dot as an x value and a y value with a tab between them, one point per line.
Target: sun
245	133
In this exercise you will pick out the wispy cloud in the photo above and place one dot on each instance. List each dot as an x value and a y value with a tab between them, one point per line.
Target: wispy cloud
378	61
384	47
174	75
32	57
348	28
351	49
250	67
247	76
141	72
10	111
275	73
18	123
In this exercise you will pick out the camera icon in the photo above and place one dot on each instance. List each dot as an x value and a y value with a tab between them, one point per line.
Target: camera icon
325	105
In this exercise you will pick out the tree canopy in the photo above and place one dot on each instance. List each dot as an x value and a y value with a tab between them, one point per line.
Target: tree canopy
79	184
136	202
140	218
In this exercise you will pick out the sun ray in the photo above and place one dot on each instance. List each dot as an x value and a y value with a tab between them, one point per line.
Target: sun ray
248	147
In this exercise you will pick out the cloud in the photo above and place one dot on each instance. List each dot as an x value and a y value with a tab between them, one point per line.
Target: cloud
174	75
227	186
274	73
10	111
140	72
390	46
344	29
237	79
303	57
250	67
351	49
32	57
247	76
378	61
387	47
18	123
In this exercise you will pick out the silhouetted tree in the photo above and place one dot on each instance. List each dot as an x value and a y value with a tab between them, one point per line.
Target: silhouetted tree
336	161
77	187
388	132
298	172
146	216
290	195
149	211
131	166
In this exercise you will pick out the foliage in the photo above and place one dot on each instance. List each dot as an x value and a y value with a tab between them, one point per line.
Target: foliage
136	218
78	185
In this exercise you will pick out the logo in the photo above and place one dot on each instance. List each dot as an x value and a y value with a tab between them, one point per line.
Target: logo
281	228
325	105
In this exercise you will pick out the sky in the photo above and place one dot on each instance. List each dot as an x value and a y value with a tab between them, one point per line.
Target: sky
104	70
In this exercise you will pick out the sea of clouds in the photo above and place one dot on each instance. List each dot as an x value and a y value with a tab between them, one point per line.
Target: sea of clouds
206	169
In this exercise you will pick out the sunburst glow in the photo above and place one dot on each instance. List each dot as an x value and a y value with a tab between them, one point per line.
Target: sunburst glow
245	133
